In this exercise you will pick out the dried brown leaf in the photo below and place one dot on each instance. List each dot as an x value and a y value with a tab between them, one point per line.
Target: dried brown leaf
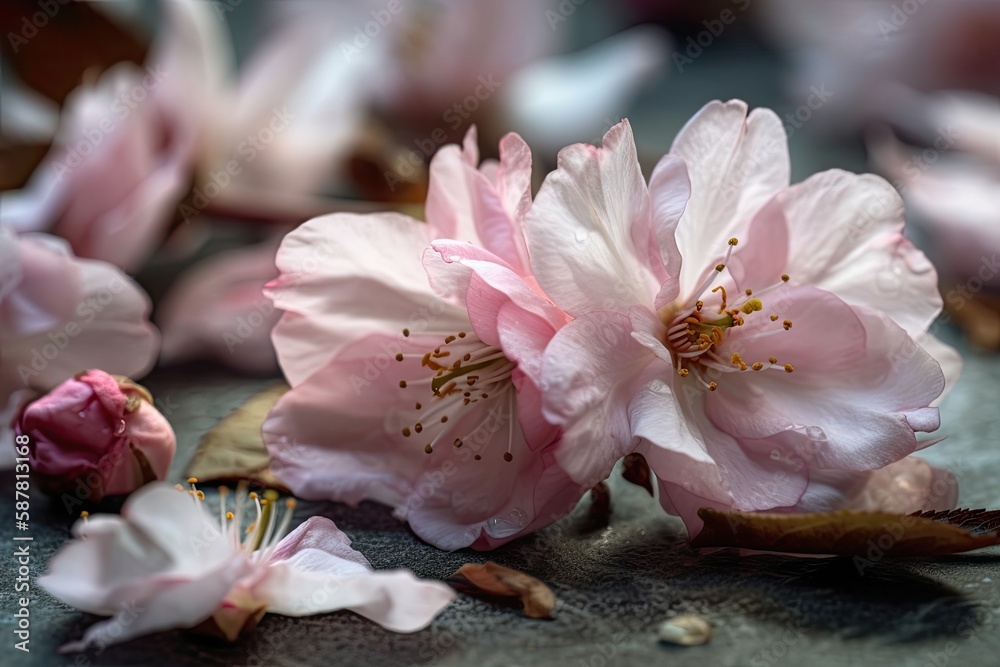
234	449
636	470
492	579
850	533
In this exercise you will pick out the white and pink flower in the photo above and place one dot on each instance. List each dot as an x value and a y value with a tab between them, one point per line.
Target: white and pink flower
60	315
733	328
168	563
426	356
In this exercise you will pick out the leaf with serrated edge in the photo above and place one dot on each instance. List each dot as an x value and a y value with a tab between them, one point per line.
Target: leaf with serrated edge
850	533
234	449
492	579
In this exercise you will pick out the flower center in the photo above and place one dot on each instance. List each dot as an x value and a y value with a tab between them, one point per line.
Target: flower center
467	393
695	332
265	529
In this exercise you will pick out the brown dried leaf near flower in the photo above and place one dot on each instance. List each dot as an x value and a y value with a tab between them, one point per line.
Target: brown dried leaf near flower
234	449
849	533
492	579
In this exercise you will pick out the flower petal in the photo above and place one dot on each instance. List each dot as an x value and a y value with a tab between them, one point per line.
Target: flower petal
736	163
845	236
906	486
860	388
396	600
317	545
597	202
590	371
669	191
162	537
327	264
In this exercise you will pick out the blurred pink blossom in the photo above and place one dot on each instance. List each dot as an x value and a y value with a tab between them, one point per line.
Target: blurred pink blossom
952	186
217	310
60	315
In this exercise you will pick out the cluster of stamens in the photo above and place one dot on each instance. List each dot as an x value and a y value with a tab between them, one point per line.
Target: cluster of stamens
462	372
265	529
695	333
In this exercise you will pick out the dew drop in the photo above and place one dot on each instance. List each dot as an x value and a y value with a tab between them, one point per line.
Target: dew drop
507	525
815	433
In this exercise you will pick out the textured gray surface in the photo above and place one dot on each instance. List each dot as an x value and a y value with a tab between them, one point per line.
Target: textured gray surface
615	582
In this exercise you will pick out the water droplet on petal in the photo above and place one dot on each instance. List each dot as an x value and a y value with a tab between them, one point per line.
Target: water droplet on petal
513	522
581	235
815	433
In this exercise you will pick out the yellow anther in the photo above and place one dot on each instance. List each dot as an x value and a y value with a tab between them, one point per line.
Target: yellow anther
192	480
748	292
787	324
402	384
406	333
406	431
428	448
230	515
734	241
253	495
757	366
399	356
774	318
84	514
720	267
772	360
699	305
737	360
784	278
789	368
290	503
199	494
752	306
683	372
712	386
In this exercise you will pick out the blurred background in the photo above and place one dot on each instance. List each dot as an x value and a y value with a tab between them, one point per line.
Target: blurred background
180	139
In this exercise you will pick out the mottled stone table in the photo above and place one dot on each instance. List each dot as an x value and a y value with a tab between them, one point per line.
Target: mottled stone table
615	582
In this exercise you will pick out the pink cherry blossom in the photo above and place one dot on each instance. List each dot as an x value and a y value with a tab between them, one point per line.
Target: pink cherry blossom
96	432
60	315
216	310
167	562
127	143
426	354
747	336
952	188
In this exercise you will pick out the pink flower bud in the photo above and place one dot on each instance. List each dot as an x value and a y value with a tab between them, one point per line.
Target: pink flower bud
96	435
